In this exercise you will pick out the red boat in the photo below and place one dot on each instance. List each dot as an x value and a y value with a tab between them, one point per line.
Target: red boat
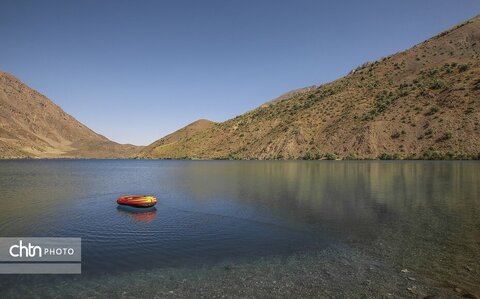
137	201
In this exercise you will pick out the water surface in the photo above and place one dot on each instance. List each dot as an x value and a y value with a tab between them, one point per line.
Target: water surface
420	215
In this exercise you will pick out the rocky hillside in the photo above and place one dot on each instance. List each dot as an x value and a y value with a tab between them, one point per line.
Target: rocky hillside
33	126
423	103
181	136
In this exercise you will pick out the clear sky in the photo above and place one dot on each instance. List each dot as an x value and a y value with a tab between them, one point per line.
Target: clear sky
137	70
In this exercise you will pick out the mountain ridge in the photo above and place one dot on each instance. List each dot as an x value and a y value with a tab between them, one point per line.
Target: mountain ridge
32	126
177	136
421	103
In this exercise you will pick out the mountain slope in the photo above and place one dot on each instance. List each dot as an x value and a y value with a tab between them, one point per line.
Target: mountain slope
178	137
420	103
33	126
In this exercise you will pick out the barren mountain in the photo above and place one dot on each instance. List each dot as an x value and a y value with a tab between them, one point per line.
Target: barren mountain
420	103
33	126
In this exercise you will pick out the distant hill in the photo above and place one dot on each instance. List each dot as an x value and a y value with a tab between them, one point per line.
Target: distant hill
422	103
178	137
33	126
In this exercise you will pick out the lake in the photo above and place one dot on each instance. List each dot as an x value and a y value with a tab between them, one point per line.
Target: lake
250	228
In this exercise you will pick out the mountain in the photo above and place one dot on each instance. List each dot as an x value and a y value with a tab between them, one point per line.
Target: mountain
423	103
178	137
31	125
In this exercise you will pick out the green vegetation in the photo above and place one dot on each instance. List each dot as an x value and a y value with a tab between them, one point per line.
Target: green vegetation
449	155
382	101
424	98
463	67
386	156
445	136
311	156
431	155
330	156
319	156
437	84
432	111
385	98
351	156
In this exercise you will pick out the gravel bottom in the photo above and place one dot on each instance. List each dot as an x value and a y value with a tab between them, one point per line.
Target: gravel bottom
330	273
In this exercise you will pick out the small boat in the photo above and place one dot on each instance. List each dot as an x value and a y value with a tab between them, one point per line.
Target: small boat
137	201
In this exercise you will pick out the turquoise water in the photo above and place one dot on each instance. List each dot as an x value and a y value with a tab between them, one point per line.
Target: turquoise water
424	216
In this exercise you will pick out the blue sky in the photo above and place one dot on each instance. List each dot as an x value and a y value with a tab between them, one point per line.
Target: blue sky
137	70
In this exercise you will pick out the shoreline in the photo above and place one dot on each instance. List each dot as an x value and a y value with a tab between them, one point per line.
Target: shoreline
472	158
336	271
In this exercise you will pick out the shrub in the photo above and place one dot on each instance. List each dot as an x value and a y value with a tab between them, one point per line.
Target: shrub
386	156
433	110
431	73
395	135
308	156
330	156
411	156
311	156
476	85
382	101
351	156
463	67
437	84
449	155
433	155
445	136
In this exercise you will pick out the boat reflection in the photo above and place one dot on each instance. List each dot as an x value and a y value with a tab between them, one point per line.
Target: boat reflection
138	214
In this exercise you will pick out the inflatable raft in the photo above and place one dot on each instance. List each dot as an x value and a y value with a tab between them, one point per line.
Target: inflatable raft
137	201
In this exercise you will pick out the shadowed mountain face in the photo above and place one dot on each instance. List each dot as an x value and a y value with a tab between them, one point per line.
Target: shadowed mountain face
420	103
33	126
